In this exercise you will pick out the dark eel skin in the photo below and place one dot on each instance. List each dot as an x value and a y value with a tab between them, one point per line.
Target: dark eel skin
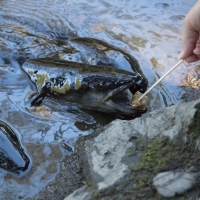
90	73
89	86
12	155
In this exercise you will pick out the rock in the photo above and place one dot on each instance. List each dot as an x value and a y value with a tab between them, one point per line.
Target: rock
80	194
121	161
21	195
168	184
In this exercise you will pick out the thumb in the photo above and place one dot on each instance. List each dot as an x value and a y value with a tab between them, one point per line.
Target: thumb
197	49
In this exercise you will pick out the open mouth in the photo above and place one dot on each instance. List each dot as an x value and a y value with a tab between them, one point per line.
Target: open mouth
123	101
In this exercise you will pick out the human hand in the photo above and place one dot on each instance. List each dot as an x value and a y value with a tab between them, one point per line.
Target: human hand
191	40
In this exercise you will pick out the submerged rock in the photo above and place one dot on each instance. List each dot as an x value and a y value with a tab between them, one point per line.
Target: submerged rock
122	160
13	157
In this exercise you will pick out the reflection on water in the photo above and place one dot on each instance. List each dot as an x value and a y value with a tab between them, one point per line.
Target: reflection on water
148	30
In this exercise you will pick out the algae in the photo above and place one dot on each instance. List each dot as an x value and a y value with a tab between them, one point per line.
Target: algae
30	73
61	90
159	153
41	79
162	154
78	83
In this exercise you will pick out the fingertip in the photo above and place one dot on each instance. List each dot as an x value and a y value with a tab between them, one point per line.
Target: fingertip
187	52
192	58
181	55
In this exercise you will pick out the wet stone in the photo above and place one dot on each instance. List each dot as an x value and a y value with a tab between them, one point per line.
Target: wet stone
150	157
170	184
66	147
21	195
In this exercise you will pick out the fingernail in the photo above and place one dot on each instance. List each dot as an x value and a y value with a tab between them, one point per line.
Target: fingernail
196	50
180	55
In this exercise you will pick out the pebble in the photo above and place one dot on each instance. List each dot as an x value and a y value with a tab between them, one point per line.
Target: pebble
168	184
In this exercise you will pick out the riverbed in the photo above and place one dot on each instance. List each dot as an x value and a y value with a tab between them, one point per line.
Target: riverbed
148	30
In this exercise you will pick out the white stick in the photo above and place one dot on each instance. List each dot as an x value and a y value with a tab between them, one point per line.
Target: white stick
160	79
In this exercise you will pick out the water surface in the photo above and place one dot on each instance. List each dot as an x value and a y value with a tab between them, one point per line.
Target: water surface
149	30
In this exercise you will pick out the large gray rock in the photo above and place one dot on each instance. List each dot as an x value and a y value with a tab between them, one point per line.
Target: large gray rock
121	161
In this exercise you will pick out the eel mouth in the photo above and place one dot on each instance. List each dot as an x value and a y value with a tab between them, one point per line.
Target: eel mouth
125	102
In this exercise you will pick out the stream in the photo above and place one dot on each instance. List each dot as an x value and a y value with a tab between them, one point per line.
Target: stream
150	31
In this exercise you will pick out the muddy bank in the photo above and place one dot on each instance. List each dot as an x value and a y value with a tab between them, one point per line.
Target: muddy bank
67	180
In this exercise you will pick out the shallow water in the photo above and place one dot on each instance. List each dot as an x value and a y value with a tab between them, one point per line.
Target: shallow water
149	30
